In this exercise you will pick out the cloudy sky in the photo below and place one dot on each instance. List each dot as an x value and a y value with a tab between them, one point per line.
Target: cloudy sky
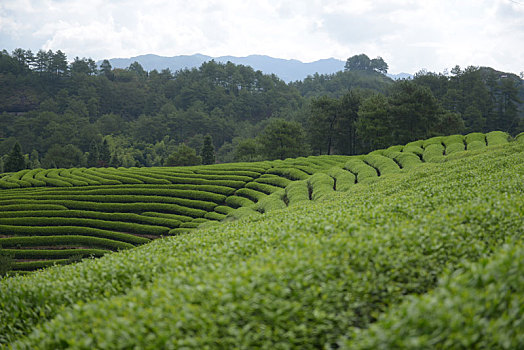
408	34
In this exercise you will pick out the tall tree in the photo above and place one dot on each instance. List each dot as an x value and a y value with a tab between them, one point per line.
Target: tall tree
15	160
282	139
375	125
322	124
208	151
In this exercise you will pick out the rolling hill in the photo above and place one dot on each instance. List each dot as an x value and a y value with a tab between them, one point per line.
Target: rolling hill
312	252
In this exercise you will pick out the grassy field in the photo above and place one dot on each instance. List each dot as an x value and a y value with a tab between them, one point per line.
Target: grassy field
416	246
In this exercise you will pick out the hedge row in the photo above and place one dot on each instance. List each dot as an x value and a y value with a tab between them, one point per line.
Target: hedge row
262	187
289	173
344	180
144	178
50	181
362	170
274	201
473	145
274	180
433	153
64	240
432	141
181	218
248	173
31	206
413	149
297	192
222	209
250	194
135	190
475	136
92	176
496	138
120	177
322	185
237	201
70	230
68	173
118	207
213	215
382	164
408	160
452	139
55	175
51	253
30	177
35	265
126	217
84	222
455	147
520	137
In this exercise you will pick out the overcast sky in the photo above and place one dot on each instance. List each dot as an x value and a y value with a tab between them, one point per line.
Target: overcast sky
409	35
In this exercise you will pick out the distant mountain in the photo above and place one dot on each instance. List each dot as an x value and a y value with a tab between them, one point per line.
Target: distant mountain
287	70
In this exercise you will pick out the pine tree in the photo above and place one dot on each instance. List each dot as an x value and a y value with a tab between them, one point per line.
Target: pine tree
105	154
94	154
208	151
15	160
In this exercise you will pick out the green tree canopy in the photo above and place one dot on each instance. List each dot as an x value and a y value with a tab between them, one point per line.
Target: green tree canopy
282	139
15	160
184	155
208	151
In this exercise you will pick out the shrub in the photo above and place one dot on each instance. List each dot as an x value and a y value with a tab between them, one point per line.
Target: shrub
382	164
289	173
473	145
237	201
475	136
344	180
297	192
251	194
272	202
274	180
452	139
408	160
262	187
213	215
454	147
360	169
433	153
432	141
322	185
496	138
520	137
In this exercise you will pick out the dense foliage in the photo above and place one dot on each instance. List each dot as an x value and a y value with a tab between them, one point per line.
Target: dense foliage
80	114
314	275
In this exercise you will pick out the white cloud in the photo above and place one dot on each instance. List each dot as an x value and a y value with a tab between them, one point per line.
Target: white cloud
409	34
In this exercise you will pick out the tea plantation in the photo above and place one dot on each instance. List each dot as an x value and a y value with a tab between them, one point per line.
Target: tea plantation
415	246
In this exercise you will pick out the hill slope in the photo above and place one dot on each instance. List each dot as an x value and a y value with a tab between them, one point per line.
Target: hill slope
307	276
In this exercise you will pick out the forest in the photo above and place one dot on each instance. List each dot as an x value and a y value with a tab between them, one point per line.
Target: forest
57	113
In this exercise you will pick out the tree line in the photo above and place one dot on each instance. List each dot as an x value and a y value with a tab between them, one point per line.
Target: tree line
56	113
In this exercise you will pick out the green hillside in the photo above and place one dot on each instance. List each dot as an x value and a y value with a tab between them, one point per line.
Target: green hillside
58	216
368	240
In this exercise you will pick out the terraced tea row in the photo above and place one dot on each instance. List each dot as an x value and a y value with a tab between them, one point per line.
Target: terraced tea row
315	276
92	211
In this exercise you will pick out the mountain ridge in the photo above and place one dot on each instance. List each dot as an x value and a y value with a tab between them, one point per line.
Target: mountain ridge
286	69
